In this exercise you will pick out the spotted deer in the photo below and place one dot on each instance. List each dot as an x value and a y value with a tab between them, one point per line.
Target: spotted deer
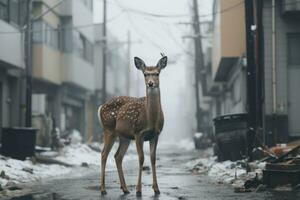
130	118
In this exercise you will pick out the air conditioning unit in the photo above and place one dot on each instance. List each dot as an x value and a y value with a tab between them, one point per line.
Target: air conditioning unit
38	104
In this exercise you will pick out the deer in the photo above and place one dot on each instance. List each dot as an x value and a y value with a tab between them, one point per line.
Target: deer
132	118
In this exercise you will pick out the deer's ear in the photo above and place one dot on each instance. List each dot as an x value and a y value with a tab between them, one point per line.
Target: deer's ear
139	63
162	63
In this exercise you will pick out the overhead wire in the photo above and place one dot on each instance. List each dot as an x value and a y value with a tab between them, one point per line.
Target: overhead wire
145	14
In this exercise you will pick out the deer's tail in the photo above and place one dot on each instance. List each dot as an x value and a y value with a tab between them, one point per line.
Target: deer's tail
99	115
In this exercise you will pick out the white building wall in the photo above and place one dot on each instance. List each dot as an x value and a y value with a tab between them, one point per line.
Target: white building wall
83	16
11	50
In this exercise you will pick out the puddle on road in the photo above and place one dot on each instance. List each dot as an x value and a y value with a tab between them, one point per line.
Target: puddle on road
26	197
48	196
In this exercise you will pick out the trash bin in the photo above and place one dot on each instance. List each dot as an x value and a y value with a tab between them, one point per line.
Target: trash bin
231	136
18	142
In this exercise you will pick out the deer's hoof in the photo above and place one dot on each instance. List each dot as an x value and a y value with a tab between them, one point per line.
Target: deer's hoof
126	191
138	193
103	192
157	192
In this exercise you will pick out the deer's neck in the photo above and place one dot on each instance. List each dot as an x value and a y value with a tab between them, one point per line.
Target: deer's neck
153	106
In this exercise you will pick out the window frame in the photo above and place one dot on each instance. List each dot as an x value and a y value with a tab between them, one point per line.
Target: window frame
290	62
6	9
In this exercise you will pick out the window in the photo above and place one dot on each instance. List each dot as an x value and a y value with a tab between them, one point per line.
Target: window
51	35
37	34
84	47
13	11
293	49
66	34
3	10
43	32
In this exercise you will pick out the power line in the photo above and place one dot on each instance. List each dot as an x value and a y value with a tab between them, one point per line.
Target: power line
150	14
53	29
143	35
141	13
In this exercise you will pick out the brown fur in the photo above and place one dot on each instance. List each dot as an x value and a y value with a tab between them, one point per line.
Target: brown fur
131	118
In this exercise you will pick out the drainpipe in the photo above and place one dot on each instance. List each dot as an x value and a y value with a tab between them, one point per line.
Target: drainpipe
274	81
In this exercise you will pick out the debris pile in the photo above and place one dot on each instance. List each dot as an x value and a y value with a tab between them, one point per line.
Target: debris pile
277	168
284	167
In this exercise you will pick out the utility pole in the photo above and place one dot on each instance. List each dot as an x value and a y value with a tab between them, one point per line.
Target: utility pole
198	61
104	52
128	64
251	76
28	63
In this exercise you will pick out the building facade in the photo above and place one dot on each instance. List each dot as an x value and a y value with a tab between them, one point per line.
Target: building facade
12	19
63	63
276	31
228	59
281	41
67	67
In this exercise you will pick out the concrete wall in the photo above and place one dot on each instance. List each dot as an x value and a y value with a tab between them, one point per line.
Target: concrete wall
283	26
83	16
11	50
65	9
98	66
77	71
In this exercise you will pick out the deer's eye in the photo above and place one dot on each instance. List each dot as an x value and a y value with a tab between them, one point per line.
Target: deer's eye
145	75
156	74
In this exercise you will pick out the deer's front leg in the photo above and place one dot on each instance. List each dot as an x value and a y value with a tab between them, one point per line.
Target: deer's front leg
139	141
153	144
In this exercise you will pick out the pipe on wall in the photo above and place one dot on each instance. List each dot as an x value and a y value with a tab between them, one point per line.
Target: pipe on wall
274	81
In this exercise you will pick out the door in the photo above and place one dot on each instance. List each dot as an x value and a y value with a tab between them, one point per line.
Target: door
294	84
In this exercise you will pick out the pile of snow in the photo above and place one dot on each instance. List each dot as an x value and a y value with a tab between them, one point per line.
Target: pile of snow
229	172
76	154
201	165
75	137
17	171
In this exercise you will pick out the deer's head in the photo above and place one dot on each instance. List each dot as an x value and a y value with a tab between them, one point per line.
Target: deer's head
151	73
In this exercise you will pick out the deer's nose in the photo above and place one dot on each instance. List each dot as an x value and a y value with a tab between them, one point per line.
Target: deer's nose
150	84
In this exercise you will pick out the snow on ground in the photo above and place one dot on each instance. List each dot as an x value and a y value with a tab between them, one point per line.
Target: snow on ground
76	154
16	171
229	172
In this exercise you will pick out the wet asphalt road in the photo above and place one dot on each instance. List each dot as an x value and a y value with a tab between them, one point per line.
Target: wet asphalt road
175	182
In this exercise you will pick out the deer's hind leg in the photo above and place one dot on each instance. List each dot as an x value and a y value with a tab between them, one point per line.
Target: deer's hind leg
109	139
123	146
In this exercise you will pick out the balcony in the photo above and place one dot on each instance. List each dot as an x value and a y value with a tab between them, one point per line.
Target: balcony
290	7
46	63
11	46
